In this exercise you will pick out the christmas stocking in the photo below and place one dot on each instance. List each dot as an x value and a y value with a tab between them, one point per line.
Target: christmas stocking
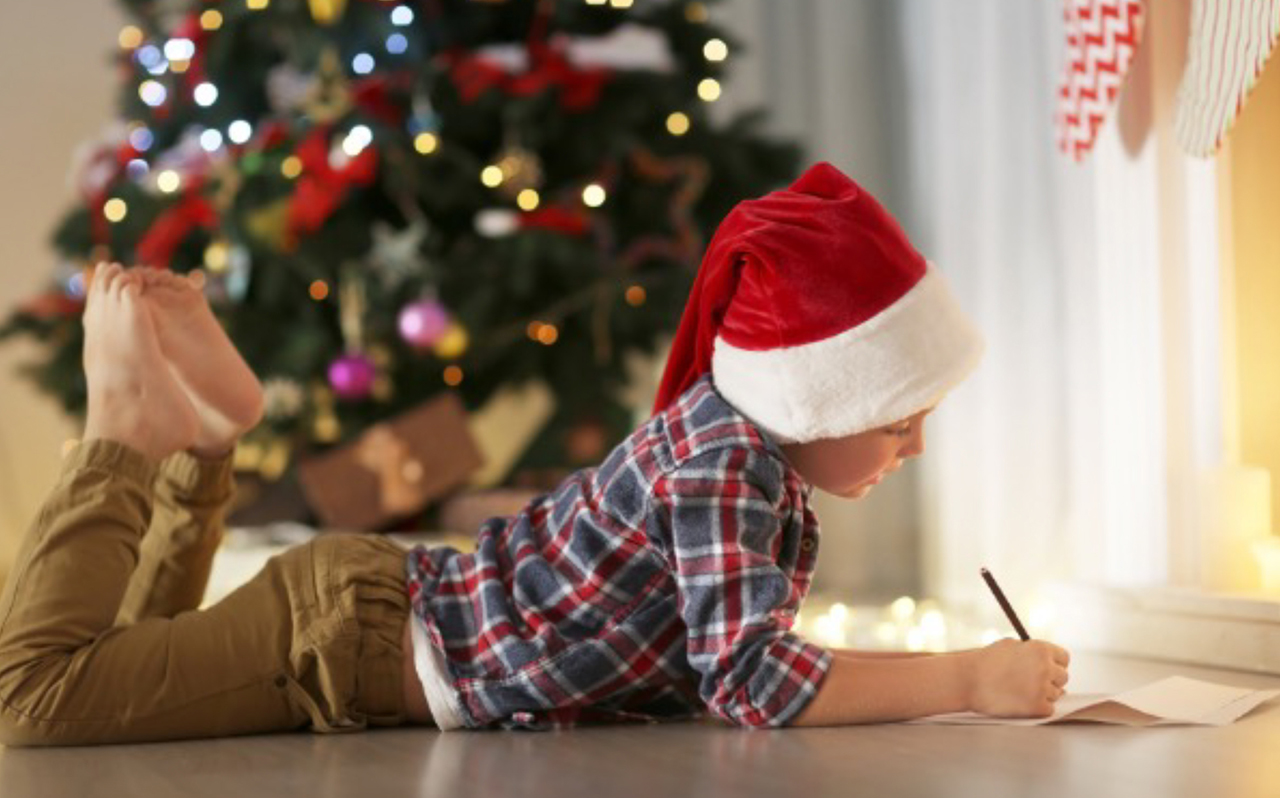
1102	36
1229	45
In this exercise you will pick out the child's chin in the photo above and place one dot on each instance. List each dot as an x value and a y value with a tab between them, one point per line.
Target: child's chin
859	492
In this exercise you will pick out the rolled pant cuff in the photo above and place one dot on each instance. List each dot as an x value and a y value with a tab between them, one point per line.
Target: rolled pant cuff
114	457
199	480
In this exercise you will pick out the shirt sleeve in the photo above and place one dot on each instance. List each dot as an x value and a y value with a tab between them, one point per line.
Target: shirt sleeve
735	599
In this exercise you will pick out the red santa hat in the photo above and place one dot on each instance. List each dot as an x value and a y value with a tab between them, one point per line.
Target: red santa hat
817	317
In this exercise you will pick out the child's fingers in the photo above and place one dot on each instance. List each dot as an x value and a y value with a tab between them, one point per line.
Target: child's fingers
1060	655
1060	677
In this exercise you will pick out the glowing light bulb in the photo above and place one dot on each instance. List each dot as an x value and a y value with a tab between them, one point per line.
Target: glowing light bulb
397	43
211	140
528	199
362	64
715	50
179	49
426	143
168	181
357	139
115	209
452	375
152	93
709	90
291	167
205	94
130	37
593	196
491	176
211	19
256	5
401	16
903	608
678	124
141	139
239	131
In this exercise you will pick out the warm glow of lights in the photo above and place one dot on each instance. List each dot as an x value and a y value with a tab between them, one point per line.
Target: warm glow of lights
933	625
715	50
319	290
678	123
115	209
593	196
635	296
256	5
548	334
452	375
903	608
915	639
291	167
839	612
596	2
211	19
217	256
491	176
453	343
709	89
620	3
528	199
1040	617
130	37
696	12
532	329
426	143
168	181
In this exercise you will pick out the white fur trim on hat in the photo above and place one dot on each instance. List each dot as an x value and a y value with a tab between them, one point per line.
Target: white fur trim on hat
890	367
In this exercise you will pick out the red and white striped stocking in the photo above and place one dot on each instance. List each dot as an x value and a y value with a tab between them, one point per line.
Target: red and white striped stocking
1229	45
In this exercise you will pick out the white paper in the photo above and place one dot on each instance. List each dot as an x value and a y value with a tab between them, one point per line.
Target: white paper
1176	700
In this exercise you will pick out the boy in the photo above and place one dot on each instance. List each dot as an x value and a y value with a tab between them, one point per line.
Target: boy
663	582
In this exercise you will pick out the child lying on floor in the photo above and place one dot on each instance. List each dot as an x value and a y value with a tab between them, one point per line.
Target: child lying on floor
662	583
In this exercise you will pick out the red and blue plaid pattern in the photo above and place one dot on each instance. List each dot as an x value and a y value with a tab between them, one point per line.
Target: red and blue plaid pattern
661	582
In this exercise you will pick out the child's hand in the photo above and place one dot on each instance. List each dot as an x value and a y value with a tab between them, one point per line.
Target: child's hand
1015	679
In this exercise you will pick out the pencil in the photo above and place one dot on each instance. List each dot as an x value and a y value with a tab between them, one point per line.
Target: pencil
1004	604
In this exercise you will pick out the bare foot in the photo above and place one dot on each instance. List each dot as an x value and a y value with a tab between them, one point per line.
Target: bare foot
133	397
226	395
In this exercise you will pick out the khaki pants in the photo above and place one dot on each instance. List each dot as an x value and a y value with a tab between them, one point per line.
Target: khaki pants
101	641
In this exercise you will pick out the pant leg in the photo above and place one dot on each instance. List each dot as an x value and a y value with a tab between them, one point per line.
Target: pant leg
313	639
192	495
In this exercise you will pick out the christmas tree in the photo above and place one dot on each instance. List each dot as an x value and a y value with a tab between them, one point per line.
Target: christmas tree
393	199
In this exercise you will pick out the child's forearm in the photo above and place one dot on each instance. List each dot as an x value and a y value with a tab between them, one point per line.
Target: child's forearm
880	689
853	653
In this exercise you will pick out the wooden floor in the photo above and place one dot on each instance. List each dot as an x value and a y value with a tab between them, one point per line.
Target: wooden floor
695	759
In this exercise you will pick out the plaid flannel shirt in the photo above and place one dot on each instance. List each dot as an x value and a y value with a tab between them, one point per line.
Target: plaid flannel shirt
662	581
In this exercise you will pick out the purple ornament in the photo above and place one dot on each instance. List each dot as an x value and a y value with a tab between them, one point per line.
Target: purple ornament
352	376
424	322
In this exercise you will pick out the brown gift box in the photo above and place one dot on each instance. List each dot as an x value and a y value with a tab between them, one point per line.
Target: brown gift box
394	469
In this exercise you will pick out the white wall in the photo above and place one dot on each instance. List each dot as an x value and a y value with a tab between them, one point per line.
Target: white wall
56	89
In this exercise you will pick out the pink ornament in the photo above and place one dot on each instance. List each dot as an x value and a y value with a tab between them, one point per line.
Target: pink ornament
352	376
424	322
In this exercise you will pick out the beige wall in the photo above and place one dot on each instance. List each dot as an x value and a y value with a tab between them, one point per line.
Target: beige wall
56	89
1255	237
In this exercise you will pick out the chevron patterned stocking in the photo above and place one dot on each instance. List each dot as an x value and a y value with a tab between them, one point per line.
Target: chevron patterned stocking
1102	36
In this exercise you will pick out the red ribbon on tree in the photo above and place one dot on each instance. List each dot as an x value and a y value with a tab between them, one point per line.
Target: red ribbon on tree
322	186
173	226
559	220
548	69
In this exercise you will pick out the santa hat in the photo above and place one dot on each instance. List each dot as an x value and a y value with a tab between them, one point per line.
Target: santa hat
816	316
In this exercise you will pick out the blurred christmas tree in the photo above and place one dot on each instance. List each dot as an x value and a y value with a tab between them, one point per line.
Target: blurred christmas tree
392	199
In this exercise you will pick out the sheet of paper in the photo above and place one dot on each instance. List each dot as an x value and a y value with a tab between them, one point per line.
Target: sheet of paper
1171	701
